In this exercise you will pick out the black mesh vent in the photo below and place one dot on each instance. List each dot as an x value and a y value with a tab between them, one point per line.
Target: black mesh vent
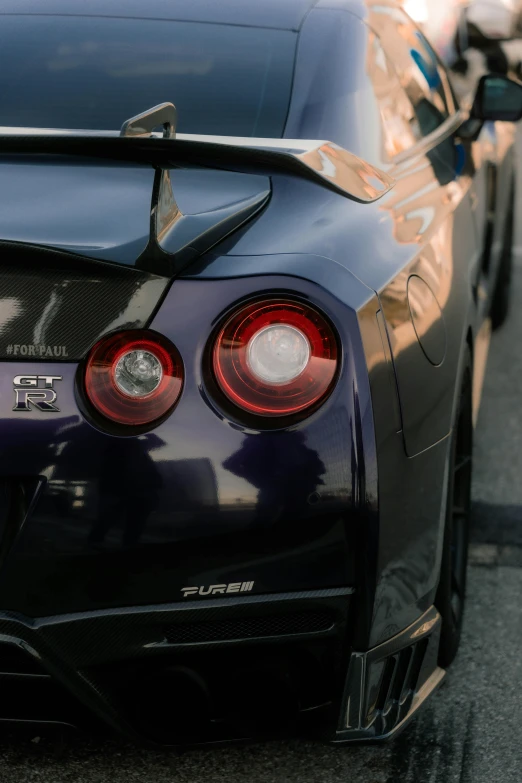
250	628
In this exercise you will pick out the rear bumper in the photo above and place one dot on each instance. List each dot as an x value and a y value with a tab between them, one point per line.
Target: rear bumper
217	670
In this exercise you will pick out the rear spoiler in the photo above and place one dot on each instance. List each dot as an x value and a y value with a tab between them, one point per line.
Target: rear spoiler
322	162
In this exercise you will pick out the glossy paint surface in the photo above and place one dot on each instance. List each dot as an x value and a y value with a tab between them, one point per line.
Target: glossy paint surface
198	499
349	498
97	210
430	226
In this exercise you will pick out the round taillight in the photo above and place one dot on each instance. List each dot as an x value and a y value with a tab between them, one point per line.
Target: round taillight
275	358
134	377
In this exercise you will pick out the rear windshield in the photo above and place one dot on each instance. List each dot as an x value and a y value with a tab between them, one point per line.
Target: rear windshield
94	73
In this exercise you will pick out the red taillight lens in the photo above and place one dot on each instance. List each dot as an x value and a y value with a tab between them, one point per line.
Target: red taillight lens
134	377
275	358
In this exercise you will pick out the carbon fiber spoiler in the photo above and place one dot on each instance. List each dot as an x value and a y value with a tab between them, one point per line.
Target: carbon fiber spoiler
322	162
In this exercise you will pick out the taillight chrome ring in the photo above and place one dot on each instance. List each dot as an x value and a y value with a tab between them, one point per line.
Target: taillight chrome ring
134	378
275	357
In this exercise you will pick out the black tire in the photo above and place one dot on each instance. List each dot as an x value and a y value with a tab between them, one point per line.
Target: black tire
501	296
451	592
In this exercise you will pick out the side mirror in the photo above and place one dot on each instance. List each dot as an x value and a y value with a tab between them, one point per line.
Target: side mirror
497	98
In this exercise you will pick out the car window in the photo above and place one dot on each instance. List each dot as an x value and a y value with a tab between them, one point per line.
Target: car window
82	72
419	70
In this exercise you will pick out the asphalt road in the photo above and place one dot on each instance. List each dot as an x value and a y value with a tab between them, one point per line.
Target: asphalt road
469	732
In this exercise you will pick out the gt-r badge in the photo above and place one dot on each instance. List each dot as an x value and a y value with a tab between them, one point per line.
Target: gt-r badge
233	587
35	391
